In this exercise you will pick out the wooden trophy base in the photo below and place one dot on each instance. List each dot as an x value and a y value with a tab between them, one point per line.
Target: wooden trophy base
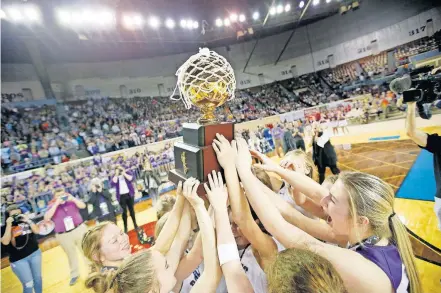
195	157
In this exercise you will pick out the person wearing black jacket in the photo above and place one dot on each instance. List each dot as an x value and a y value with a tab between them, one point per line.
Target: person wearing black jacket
432	144
21	243
101	200
323	154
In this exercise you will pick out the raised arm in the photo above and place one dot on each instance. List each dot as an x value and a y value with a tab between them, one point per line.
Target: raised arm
51	211
115	177
35	229
308	204
297	180
229	261
6	239
293	237
180	240
263	243
168	232
79	203
127	175
418	136
287	234
313	227
212	274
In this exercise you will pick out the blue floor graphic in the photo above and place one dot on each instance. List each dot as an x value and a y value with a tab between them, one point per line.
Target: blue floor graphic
380	138
420	181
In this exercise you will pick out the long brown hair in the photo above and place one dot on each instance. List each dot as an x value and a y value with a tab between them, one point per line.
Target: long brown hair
303	271
371	197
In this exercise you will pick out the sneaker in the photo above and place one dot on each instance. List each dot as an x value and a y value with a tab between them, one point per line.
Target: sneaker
73	281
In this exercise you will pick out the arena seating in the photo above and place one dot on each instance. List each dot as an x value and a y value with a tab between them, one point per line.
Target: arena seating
402	53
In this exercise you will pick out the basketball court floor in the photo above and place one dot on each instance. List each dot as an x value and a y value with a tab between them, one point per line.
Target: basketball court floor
401	163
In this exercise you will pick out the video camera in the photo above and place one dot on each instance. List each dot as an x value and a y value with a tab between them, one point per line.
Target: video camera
420	87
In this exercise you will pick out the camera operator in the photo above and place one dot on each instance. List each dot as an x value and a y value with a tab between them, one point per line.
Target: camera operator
431	143
101	200
125	193
24	255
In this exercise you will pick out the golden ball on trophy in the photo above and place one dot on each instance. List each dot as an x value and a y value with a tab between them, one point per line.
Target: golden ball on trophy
206	80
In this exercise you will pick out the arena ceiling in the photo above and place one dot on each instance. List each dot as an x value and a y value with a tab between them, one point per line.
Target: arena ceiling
58	44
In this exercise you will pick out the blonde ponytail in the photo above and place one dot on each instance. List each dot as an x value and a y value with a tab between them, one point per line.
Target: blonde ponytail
401	239
371	197
100	282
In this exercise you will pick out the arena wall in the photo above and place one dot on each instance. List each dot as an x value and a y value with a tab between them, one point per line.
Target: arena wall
16	77
347	37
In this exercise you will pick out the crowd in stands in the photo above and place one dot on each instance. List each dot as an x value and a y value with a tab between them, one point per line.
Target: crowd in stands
34	137
34	192
376	66
402	53
11	98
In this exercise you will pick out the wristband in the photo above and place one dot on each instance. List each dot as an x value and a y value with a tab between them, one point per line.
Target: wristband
227	252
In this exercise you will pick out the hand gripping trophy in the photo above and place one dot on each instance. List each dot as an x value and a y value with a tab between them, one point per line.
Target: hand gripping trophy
206	80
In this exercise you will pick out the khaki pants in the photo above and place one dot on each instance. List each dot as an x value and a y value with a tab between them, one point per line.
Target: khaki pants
69	242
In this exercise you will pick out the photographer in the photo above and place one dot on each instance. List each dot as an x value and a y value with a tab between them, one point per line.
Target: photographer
125	193
24	255
101	200
69	228
431	143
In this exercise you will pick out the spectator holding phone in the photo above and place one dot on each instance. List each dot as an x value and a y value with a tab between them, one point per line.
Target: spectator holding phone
69	227
101	200
431	143
125	193
21	244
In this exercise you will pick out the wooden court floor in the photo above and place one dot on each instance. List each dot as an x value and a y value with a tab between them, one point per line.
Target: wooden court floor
389	160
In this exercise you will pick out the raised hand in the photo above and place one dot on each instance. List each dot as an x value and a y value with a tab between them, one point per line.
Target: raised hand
263	158
224	152
243	158
217	193
9	220
287	164
190	192
267	164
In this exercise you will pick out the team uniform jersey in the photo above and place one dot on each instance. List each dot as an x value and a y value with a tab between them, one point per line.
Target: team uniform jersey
389	260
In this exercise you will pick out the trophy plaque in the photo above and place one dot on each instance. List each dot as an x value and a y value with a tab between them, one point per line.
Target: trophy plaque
206	80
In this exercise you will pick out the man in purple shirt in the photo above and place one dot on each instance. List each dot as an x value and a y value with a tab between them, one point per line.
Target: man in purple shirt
278	133
125	193
69	227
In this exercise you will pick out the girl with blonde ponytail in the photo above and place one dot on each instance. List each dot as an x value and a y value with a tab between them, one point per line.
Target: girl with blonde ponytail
359	208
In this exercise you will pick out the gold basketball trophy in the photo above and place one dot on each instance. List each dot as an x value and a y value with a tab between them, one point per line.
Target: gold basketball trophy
206	80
